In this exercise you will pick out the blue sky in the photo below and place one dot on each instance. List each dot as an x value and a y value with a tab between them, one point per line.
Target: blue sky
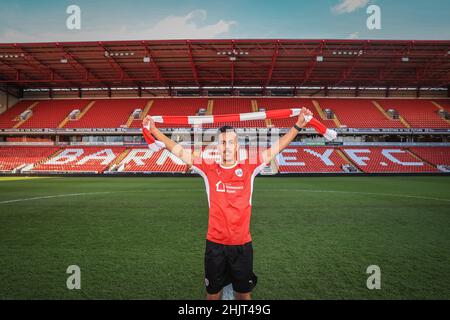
41	21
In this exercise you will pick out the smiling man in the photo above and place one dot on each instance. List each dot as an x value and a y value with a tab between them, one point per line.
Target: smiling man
229	185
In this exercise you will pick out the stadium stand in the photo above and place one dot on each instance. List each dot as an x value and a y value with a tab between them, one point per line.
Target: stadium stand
10	117
107	113
116	113
145	160
80	159
359	113
50	113
417	113
434	155
12	157
384	159
313	159
294	159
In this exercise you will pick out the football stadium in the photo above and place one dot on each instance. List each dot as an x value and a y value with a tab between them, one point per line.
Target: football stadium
364	214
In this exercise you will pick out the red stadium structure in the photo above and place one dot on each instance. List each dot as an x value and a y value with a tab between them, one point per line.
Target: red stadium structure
77	107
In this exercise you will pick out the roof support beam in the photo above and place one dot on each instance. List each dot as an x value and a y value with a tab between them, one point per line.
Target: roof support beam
117	66
274	59
37	61
232	63
191	61
155	65
309	70
346	74
86	70
396	61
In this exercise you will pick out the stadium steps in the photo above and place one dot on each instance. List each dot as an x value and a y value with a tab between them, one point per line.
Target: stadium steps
147	108
405	123
82	113
18	124
440	108
210	108
143	114
323	116
23	167
54	154
401	119
255	106
380	108
85	109
118	159
345	158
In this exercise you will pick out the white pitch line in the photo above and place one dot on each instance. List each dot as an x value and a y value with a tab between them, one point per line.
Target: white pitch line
90	193
54	196
364	193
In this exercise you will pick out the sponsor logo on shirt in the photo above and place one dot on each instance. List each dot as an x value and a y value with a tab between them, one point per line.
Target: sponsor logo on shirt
228	187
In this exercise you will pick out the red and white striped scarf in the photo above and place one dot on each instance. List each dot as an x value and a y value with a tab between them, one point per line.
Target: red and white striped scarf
156	145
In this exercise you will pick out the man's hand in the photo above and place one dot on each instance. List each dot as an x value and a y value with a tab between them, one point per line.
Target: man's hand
149	123
301	122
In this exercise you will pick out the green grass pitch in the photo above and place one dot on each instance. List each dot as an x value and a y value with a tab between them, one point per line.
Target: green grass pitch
143	238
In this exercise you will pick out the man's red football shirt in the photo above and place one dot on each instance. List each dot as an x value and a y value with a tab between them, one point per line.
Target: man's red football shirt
229	191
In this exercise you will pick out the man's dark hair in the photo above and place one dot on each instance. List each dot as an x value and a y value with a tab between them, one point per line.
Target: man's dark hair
226	128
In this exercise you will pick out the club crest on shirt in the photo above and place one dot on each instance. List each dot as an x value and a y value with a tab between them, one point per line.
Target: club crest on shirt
238	172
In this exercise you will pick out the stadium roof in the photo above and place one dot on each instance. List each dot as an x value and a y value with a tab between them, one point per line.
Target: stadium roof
226	63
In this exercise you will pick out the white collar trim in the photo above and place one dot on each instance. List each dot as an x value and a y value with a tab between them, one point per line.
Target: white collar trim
234	165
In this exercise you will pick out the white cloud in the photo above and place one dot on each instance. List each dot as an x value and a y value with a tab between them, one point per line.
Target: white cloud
353	35
348	6
190	26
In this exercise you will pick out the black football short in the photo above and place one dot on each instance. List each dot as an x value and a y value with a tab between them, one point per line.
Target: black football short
225	264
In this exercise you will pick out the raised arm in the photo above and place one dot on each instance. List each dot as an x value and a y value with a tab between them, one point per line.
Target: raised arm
185	155
283	142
